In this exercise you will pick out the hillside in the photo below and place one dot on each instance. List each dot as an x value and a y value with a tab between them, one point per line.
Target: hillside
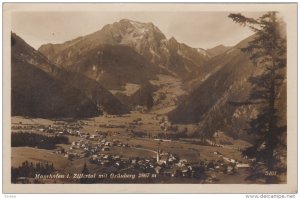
113	66
217	50
35	93
41	89
219	100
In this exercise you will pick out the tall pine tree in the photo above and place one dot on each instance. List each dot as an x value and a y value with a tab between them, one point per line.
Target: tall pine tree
267	51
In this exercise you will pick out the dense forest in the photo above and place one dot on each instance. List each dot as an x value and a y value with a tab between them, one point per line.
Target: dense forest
37	140
29	170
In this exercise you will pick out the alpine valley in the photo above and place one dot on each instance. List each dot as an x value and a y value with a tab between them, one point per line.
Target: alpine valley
127	99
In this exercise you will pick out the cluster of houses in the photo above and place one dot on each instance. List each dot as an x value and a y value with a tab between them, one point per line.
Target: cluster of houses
135	164
110	162
60	128
75	131
86	147
234	164
23	127
165	164
98	149
170	165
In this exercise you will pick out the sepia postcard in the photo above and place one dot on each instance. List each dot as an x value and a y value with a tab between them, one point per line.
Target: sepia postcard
149	98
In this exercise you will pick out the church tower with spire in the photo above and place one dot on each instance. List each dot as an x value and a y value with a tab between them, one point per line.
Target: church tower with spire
158	155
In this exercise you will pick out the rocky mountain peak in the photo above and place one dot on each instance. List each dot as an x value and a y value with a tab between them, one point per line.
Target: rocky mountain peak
144	38
129	32
172	39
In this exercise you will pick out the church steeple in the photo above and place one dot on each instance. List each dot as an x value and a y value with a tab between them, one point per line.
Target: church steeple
158	155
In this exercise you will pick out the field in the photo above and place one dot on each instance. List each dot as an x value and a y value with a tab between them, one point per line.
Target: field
129	89
21	154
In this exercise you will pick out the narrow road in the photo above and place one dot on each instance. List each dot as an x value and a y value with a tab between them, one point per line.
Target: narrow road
145	150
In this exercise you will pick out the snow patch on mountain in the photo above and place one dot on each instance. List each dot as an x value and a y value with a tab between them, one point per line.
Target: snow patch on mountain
202	51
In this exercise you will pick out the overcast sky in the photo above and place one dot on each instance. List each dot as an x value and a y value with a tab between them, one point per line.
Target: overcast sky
197	29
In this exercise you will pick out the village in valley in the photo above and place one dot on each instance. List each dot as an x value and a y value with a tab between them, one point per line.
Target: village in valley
117	149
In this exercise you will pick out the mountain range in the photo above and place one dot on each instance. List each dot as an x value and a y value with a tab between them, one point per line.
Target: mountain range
111	71
133	37
126	52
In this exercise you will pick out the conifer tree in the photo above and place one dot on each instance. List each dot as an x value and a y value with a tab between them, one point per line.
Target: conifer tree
267	50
